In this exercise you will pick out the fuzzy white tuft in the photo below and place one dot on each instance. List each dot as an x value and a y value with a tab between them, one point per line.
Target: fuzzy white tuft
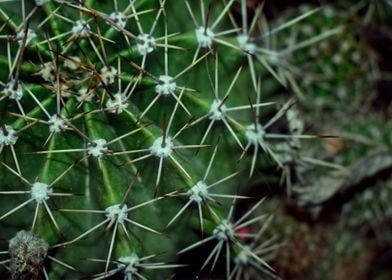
116	213
41	192
166	85
205	37
8	136
97	148
157	148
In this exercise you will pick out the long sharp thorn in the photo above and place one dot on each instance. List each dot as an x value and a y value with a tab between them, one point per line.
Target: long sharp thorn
64	173
142	226
210	163
207	19
158	175
129	189
179	213
52	217
164	130
16	208
200	210
21	54
111	247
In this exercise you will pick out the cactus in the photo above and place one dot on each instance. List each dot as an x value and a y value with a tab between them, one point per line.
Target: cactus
129	131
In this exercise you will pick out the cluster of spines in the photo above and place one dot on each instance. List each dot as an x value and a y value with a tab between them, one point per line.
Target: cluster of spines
88	85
